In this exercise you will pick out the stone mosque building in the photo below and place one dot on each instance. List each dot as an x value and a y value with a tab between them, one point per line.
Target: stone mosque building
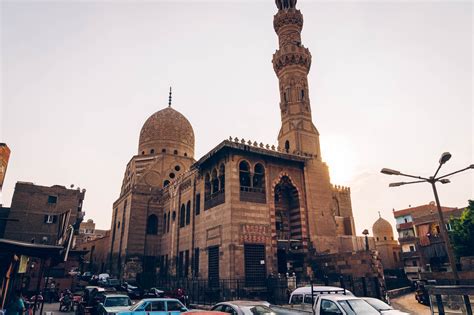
242	211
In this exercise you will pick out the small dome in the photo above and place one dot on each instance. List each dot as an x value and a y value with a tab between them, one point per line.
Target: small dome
167	131
382	228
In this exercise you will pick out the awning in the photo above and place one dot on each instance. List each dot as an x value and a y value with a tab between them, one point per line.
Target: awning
30	249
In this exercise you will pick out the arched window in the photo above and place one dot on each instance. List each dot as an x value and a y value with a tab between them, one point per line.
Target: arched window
214	182
182	214
164	223
244	174
207	185
188	213
143	152
287	146
163	150
222	177
152	151
152	225
175	152
302	95
166	183
259	176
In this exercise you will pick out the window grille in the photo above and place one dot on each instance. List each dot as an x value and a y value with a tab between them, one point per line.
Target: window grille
213	266
255	270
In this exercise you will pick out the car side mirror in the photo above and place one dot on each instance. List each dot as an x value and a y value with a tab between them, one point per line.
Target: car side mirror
184	309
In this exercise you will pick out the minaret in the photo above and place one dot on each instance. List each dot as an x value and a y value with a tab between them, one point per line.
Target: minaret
291	63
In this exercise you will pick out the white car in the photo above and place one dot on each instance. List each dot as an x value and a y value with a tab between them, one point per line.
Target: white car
240	307
103	276
342	305
383	307
303	295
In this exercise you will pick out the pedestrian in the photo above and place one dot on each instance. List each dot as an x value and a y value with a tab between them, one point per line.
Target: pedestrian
16	305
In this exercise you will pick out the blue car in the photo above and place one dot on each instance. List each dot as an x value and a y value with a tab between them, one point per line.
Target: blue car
157	306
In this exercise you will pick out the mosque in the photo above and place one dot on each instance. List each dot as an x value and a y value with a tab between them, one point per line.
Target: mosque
244	210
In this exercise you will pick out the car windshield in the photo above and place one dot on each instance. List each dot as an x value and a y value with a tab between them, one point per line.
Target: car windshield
358	307
297	299
117	301
379	305
258	310
138	306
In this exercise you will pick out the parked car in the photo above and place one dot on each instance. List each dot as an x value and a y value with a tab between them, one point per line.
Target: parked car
113	303
383	307
154	293
160	306
74	272
133	292
303	295
109	282
342	305
241	307
196	312
86	276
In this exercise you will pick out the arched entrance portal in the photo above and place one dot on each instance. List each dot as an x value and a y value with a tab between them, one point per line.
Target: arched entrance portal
288	227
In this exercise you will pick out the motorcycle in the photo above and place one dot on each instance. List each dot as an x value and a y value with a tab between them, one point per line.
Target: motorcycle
66	303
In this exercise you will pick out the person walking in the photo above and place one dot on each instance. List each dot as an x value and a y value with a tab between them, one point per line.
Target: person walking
16	305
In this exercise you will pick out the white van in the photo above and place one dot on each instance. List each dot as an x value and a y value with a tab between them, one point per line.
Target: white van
303	295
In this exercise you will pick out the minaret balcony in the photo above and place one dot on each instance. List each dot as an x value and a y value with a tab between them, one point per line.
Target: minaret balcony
292	55
288	17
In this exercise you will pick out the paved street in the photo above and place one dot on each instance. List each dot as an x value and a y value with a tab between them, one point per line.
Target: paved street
409	304
54	308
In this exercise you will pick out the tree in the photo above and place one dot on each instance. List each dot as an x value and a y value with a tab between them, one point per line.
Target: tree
462	234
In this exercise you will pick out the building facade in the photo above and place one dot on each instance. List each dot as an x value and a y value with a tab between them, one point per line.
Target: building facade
87	232
97	253
244	210
386	245
37	212
422	246
4	157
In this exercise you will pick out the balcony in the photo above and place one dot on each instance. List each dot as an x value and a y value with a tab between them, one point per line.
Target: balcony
407	238
411	269
407	255
404	226
252	194
214	199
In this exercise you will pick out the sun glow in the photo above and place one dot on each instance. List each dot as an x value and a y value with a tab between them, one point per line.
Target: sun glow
340	157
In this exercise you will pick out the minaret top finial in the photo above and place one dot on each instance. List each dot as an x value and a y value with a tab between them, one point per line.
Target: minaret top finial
285	4
379	215
169	99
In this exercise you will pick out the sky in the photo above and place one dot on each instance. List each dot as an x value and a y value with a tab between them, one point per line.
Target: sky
390	86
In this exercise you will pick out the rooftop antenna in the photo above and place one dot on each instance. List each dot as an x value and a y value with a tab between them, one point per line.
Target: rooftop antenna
169	99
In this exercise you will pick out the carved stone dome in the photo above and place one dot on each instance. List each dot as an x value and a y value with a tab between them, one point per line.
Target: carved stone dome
167	131
382	228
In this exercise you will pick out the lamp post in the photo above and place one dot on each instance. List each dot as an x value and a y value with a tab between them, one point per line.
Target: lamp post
432	180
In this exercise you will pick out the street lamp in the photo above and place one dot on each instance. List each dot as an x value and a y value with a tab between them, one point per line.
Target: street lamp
432	180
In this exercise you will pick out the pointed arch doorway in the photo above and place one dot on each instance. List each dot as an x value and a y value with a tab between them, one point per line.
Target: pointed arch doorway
288	227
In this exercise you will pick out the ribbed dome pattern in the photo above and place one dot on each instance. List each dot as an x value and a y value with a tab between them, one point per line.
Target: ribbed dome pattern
168	130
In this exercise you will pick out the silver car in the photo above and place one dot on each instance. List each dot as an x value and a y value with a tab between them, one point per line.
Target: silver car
240	307
383	307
